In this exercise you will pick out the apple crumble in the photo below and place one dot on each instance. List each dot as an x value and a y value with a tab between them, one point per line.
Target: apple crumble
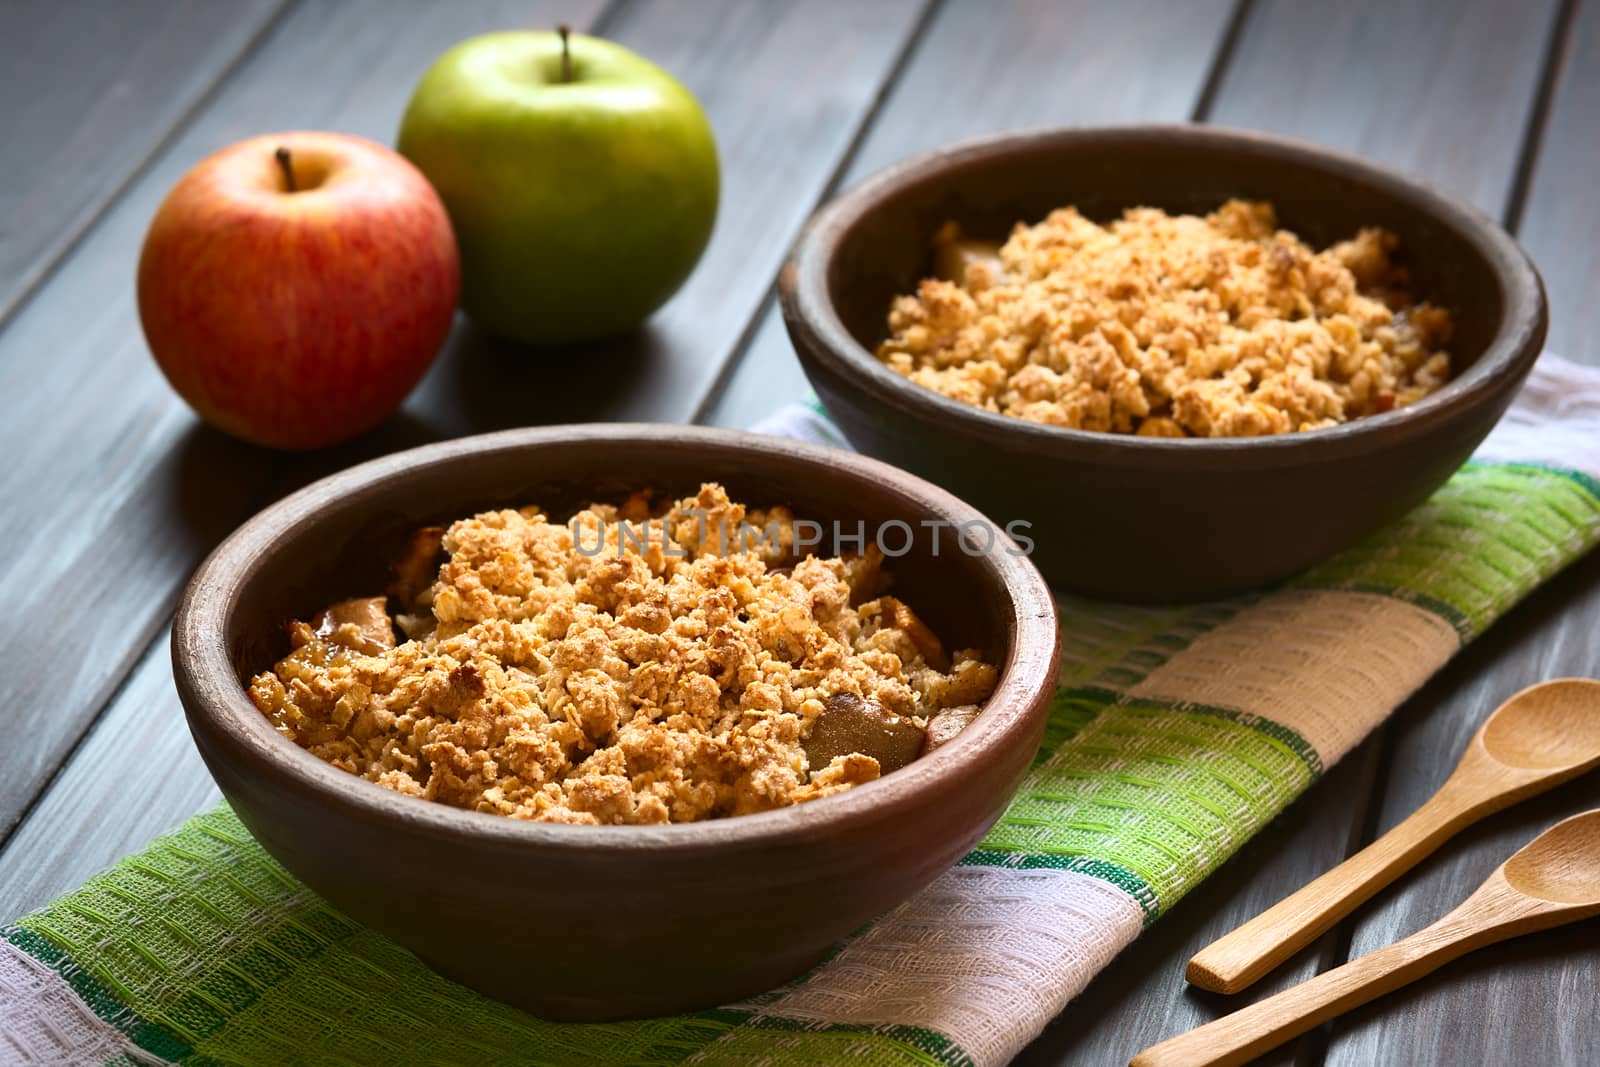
637	664
1170	325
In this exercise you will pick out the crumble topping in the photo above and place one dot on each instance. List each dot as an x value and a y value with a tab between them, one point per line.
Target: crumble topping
1171	326
663	677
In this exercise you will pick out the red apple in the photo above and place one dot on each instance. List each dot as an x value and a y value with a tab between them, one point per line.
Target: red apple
295	287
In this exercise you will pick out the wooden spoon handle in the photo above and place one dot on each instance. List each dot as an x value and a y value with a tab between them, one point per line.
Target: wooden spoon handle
1237	959
1246	1034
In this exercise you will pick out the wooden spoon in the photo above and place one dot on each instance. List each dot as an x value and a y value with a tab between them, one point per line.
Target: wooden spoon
1553	880
1543	736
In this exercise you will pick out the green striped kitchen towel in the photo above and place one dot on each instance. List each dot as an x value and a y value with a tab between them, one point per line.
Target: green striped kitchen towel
1176	735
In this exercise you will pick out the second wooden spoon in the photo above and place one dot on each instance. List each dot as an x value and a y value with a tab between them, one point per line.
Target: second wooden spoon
1543	736
1554	879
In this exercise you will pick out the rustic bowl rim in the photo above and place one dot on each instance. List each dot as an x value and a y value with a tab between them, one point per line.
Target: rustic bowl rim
1516	344
211	691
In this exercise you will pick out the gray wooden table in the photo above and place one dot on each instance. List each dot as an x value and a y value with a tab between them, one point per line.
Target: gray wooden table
112	492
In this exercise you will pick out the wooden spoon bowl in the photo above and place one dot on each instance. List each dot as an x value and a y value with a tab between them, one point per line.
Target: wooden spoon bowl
1548	727
1561	865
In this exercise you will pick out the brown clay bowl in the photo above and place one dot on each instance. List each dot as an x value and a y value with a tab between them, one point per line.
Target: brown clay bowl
1154	519
605	922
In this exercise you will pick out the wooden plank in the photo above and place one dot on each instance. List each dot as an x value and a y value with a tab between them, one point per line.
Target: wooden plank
1443	99
1456	102
779	150
1525	1001
112	489
1561	226
1057	1044
135	775
91	91
786	87
1015	67
993	68
1142	998
1439	92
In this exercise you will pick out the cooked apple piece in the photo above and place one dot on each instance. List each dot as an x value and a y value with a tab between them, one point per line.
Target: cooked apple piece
416	571
898	615
361	624
865	575
951	258
943	727
849	724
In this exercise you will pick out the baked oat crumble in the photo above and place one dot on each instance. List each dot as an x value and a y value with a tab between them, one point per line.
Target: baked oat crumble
1171	325
681	680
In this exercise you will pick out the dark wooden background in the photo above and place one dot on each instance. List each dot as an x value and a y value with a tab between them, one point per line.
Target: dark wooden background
112	492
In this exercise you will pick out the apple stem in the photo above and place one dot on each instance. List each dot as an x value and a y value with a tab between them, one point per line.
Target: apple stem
566	52
286	164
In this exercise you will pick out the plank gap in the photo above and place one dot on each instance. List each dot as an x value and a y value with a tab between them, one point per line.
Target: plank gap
718	385
982	71
79	228
114	693
608	18
1368	829
1553	64
1220	62
1378	764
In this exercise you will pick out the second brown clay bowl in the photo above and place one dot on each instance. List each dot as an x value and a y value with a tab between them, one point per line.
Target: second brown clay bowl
1144	518
605	922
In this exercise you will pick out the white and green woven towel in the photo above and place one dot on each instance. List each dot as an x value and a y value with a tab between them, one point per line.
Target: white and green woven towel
1176	735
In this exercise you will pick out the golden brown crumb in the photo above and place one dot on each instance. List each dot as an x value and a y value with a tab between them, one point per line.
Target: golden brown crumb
1172	326
667	683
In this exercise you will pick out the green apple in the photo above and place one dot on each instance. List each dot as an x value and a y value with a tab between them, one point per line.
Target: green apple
581	180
